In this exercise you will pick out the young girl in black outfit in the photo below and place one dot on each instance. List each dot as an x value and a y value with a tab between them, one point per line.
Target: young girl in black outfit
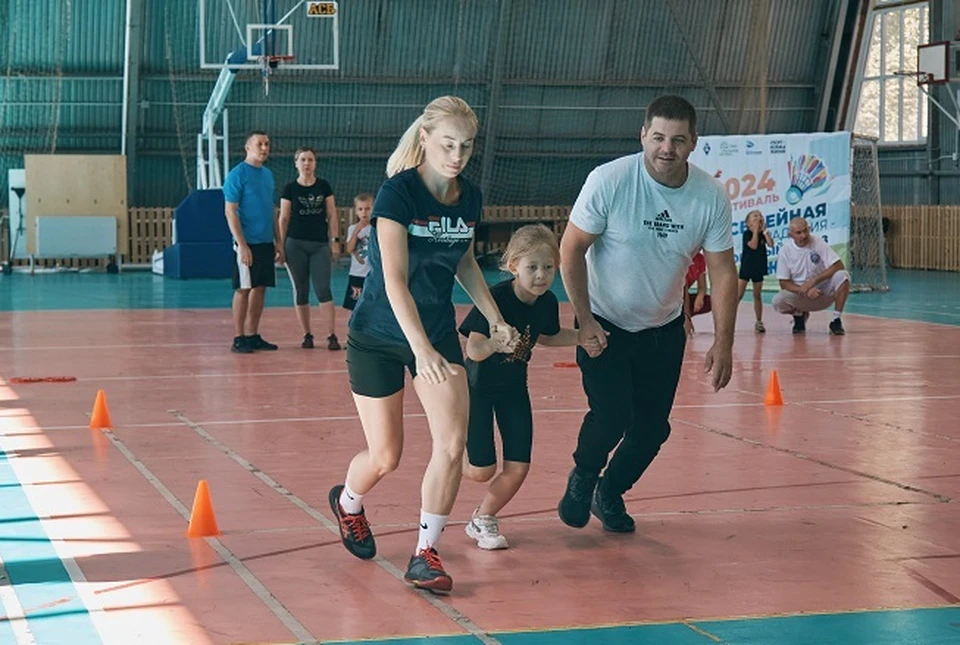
498	382
753	262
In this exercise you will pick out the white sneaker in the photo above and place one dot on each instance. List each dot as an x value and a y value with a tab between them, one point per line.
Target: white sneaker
485	529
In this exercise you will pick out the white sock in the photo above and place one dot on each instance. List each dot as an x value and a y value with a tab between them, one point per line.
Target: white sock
431	526
351	502
836	315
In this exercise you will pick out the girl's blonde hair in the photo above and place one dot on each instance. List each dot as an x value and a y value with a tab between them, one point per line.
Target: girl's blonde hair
529	239
746	219
409	152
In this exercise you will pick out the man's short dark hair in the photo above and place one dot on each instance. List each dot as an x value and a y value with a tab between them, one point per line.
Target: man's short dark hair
672	108
255	133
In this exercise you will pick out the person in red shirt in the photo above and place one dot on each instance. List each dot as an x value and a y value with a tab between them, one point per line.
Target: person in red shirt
697	302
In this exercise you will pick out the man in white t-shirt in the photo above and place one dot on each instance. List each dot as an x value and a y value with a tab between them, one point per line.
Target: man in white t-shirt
812	277
632	234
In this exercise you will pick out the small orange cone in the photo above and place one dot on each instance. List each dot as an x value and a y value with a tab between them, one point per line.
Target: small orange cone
100	417
203	523
773	397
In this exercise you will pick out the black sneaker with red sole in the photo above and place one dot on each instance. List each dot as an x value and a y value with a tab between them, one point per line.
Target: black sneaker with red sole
425	571
354	529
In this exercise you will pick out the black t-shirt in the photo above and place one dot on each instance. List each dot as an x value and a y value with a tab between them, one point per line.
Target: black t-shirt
308	210
437	237
510	370
754	260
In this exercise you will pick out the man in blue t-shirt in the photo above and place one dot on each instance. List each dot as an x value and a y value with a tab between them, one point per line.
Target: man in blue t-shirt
248	193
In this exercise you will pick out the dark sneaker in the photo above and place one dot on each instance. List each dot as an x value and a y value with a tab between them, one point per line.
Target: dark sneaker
354	529
611	511
574	508
425	571
240	345
333	343
307	341
836	327
800	324
257	342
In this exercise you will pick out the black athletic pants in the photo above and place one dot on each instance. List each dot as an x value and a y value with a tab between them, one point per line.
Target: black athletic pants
630	389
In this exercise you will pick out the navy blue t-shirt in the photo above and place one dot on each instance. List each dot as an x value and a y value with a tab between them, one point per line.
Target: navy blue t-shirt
510	370
437	237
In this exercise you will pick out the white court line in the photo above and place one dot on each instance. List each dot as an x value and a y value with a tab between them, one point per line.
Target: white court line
207	375
27	348
905	310
14	610
904	320
414	415
257	587
447	610
692	361
933	397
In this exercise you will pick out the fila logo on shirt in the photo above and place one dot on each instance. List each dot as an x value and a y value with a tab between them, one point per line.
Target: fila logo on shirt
442	229
662	224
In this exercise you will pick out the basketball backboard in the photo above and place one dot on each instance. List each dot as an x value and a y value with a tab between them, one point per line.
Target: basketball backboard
933	63
240	34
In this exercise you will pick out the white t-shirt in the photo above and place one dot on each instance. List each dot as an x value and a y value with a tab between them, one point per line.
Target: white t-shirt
648	235
359	269
800	263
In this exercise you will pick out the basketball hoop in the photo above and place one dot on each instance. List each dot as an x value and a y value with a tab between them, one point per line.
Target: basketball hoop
923	78
267	65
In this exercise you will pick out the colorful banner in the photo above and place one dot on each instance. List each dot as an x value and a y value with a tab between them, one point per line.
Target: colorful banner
784	176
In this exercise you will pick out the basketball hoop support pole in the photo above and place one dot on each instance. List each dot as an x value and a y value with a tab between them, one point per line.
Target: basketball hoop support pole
954	118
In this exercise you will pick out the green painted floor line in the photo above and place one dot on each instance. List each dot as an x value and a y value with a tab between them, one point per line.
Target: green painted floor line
926	626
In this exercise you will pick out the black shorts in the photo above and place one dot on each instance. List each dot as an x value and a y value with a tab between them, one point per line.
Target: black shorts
354	287
262	273
375	365
514	420
752	273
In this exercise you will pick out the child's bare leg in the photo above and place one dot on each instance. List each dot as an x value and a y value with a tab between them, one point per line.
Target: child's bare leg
504	487
758	301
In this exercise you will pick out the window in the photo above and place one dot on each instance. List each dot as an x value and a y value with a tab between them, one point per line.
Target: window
890	106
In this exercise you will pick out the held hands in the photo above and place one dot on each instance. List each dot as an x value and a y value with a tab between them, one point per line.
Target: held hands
504	338
592	337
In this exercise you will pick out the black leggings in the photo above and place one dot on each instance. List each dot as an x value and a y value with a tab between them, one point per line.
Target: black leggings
308	260
514	419
630	389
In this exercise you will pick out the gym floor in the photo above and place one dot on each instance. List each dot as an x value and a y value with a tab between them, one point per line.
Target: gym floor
831	519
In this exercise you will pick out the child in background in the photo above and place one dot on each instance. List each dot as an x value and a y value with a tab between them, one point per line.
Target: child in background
753	262
358	235
498	382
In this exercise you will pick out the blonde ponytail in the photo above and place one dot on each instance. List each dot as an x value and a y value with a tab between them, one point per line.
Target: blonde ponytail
409	152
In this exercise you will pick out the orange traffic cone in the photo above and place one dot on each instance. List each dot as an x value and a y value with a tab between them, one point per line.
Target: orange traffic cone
203	523
100	417
773	397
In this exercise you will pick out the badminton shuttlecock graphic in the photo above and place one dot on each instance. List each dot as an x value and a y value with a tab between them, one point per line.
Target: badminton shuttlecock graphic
806	173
